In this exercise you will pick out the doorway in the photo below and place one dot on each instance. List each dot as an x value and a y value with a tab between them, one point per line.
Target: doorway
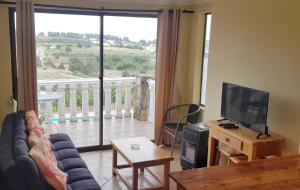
94	83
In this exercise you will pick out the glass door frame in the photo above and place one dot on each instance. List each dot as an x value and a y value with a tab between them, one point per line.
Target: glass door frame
100	145
78	11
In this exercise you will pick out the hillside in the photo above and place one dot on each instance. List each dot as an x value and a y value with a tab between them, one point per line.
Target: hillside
71	55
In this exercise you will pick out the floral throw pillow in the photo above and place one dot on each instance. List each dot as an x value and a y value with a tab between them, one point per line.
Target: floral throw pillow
48	168
32	120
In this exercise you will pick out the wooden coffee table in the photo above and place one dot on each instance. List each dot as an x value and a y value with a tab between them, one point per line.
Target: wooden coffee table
147	155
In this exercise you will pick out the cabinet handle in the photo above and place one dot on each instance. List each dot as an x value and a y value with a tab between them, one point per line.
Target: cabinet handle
227	139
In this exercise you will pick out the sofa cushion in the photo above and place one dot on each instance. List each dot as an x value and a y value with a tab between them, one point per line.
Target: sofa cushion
78	174
32	121
26	166
6	148
48	168
41	152
58	137
88	184
69	160
9	170
3	183
38	137
62	145
72	163
66	153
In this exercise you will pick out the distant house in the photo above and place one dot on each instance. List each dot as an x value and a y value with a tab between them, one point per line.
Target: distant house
40	54
94	40
151	48
111	42
105	44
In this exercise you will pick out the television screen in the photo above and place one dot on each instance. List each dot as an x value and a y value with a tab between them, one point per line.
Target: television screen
246	106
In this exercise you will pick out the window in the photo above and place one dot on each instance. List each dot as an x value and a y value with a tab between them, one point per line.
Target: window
205	57
12	26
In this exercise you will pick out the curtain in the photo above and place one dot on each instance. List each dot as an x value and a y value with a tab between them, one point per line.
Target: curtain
168	30
26	56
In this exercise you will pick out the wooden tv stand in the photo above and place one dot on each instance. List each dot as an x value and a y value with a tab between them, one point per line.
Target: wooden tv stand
243	140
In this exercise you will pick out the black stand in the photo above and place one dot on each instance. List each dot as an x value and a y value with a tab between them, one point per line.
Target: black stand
229	126
265	135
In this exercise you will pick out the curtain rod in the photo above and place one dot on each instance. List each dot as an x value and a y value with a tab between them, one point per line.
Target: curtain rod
92	9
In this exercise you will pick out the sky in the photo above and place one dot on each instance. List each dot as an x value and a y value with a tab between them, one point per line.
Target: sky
134	28
208	27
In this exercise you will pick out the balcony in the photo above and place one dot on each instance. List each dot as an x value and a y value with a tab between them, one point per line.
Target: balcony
72	106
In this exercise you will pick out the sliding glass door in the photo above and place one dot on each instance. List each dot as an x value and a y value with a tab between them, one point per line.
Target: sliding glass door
129	72
95	73
68	71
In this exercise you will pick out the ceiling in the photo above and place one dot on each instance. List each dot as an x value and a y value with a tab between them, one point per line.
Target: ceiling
158	2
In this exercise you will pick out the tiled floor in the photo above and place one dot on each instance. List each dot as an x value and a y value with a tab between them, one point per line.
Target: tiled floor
87	133
100	164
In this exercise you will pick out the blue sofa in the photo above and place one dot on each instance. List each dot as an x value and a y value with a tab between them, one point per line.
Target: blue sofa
19	171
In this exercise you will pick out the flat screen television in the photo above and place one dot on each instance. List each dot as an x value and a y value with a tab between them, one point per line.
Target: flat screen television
245	106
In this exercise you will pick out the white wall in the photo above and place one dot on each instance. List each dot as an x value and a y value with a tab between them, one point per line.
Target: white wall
256	43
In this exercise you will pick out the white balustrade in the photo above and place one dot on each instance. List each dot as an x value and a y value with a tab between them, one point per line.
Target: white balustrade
151	84
85	102
107	103
61	103
73	102
127	101
41	108
96	94
119	100
48	111
123	85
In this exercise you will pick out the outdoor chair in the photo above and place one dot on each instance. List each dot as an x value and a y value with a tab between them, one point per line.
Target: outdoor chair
172	129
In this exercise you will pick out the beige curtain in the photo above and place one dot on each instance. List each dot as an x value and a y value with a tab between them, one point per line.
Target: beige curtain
27	82
168	29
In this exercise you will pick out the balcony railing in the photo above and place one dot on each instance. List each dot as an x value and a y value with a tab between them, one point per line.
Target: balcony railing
117	89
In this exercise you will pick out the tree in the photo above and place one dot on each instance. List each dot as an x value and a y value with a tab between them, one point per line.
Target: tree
41	34
58	46
38	61
61	66
125	74
126	66
88	45
126	39
116	58
140	59
53	34
49	63
75	64
68	49
143	42
79	45
91	67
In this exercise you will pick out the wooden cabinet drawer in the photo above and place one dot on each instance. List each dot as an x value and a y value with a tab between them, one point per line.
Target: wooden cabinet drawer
227	139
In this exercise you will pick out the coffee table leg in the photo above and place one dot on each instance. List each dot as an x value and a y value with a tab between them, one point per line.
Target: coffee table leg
114	162
135	172
166	175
